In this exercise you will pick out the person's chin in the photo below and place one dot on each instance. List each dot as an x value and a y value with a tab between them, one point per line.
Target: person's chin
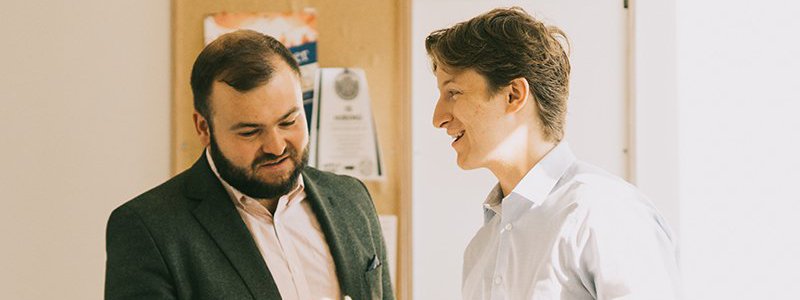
273	180
279	172
464	164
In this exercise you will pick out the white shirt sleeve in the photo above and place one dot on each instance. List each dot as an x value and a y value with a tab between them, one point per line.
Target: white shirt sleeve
623	250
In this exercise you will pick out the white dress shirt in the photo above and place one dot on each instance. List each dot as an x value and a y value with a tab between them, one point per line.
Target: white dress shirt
568	231
291	242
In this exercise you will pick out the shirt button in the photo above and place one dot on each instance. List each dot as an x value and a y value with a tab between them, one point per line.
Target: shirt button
509	226
498	280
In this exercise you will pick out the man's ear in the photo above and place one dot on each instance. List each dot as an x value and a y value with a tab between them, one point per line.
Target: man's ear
518	91
202	127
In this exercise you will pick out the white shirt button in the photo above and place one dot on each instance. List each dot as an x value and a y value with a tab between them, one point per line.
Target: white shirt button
498	280
509	226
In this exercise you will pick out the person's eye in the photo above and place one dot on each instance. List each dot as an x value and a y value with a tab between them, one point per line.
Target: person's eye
288	123
249	133
453	93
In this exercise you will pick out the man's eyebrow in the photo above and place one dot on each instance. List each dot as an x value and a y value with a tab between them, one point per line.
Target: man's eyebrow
291	111
241	125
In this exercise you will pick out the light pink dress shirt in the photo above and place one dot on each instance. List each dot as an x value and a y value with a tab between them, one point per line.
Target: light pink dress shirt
291	242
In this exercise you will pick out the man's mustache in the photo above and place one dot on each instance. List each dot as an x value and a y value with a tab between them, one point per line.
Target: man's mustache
269	157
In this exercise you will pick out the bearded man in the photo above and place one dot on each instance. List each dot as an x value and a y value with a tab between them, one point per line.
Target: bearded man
249	220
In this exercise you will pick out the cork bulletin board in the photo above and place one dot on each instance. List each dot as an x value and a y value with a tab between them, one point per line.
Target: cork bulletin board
372	35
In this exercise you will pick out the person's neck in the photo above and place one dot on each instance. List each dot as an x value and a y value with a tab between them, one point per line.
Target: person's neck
270	204
510	171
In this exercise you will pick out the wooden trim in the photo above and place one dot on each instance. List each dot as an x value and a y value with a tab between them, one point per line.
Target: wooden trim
630	96
173	139
405	280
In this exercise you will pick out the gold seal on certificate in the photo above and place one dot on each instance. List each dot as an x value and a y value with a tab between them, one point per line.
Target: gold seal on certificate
343	137
347	85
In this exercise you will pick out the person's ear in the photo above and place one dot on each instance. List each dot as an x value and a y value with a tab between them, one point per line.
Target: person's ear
517	95
203	128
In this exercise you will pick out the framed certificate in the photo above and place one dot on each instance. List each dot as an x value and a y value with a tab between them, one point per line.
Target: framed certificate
344	140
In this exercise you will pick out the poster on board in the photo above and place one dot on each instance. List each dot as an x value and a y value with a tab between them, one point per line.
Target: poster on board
344	137
296	30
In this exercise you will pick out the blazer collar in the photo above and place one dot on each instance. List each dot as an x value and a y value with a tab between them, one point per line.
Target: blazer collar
347	246
217	214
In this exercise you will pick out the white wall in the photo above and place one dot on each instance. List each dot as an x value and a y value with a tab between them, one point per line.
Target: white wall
739	98
718	92
655	86
84	125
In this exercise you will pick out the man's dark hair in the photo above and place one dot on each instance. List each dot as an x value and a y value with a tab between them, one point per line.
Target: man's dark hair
505	44
240	59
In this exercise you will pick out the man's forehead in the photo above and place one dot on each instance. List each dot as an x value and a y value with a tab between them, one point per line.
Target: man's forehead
253	104
446	76
457	76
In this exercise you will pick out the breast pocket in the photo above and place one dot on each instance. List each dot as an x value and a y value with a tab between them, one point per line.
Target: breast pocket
374	283
373	278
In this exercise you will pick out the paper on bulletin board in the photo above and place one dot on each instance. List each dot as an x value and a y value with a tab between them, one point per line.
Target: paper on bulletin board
344	136
297	31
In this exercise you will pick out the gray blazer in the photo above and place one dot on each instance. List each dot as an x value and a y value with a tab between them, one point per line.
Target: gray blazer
185	240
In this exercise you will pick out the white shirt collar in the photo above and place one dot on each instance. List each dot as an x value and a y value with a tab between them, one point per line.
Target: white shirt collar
540	180
534	187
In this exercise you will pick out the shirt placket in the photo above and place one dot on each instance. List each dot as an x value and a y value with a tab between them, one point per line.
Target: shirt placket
298	275
281	238
499	282
287	247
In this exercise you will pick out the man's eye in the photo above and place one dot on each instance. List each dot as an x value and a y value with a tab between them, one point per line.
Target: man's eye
453	93
289	123
248	133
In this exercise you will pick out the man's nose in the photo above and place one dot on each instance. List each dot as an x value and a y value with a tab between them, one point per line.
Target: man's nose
273	143
440	115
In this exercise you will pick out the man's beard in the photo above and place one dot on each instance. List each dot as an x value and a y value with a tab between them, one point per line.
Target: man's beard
247	182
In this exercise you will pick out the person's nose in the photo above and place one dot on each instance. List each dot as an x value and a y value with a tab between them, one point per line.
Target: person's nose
274	143
441	114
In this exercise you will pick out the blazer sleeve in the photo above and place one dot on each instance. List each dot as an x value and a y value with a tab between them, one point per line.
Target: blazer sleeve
377	234
135	268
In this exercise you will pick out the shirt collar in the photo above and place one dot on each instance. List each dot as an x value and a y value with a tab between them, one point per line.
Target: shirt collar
540	180
534	187
238	197
492	205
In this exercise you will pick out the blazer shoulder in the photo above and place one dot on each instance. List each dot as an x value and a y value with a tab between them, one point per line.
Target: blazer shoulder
327	179
163	199
341	186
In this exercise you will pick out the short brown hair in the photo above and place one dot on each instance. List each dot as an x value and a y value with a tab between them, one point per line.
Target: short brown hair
508	43
240	59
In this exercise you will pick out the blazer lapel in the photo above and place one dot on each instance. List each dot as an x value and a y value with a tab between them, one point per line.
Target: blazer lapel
217	214
343	240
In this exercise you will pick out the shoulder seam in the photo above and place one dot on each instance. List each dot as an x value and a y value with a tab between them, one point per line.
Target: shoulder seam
152	240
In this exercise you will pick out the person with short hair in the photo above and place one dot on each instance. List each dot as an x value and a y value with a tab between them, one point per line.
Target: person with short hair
250	219
555	227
